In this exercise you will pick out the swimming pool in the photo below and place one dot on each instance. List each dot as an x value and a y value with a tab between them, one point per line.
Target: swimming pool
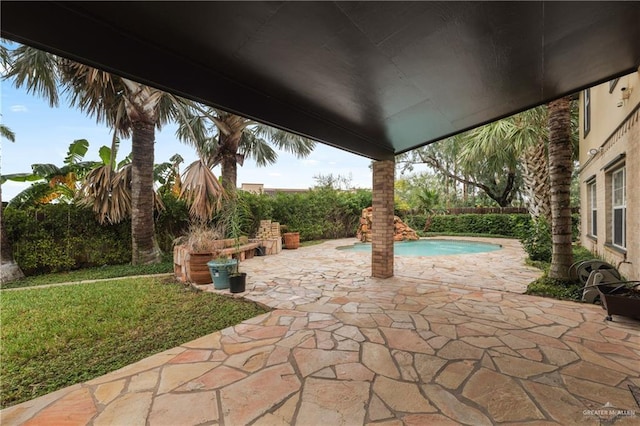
430	247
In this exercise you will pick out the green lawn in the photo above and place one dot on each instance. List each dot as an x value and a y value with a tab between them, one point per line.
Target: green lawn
98	273
55	337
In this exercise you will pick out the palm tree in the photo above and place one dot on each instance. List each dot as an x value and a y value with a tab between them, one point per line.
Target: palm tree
227	140
130	108
560	172
9	269
517	146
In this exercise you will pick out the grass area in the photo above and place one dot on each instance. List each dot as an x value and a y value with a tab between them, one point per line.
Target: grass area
102	272
55	337
558	289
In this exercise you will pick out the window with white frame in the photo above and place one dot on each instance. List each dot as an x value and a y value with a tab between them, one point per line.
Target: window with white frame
619	205
593	208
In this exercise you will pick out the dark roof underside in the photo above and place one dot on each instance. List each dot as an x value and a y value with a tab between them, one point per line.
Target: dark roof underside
373	78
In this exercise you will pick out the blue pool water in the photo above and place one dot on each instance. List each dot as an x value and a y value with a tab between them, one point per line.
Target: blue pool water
430	247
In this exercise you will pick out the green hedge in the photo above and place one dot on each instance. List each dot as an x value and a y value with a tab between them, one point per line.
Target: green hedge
61	237
316	214
508	225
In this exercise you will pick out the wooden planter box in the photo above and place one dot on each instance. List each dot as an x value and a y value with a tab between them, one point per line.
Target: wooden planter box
192	267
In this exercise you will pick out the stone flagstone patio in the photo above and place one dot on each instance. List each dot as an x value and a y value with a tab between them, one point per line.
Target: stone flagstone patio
449	340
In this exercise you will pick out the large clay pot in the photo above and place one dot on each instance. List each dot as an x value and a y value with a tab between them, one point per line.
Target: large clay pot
197	269
291	240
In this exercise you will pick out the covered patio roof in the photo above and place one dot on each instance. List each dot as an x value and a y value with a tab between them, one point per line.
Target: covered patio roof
373	78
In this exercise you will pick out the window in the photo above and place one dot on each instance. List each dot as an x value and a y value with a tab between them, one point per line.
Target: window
587	111
619	204
593	208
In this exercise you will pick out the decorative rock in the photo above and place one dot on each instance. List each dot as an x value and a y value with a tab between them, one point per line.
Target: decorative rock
401	231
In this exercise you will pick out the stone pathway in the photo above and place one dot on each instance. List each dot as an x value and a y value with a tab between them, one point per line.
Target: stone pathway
432	346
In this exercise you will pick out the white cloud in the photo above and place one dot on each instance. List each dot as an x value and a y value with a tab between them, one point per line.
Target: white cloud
18	108
309	162
275	174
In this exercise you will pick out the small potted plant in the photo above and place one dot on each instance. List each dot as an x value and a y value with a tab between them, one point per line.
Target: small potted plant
236	216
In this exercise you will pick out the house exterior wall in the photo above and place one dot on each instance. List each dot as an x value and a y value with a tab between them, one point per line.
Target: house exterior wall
615	135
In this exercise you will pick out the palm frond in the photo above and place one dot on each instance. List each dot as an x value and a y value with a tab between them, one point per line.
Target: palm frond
202	191
7	133
107	193
298	145
37	70
252	146
97	93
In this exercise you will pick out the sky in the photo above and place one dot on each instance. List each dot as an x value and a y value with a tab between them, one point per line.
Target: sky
43	135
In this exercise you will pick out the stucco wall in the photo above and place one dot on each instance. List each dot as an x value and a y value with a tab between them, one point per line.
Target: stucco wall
615	132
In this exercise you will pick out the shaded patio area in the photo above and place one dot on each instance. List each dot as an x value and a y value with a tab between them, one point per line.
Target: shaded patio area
447	340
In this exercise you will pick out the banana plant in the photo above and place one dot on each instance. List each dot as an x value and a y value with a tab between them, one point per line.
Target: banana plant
52	182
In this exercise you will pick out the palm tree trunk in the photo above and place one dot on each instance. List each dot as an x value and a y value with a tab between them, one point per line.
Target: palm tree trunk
228	157
560	168
9	269
229	169
143	237
536	180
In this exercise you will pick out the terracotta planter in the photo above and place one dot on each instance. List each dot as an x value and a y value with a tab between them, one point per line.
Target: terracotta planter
197	269
291	240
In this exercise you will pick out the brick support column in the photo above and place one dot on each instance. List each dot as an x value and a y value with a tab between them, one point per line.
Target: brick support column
382	223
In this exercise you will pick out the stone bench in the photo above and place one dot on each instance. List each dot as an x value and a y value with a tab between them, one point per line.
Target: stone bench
242	252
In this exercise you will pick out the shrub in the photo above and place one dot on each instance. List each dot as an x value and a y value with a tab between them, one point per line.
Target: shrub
536	240
61	237
317	214
488	224
172	222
